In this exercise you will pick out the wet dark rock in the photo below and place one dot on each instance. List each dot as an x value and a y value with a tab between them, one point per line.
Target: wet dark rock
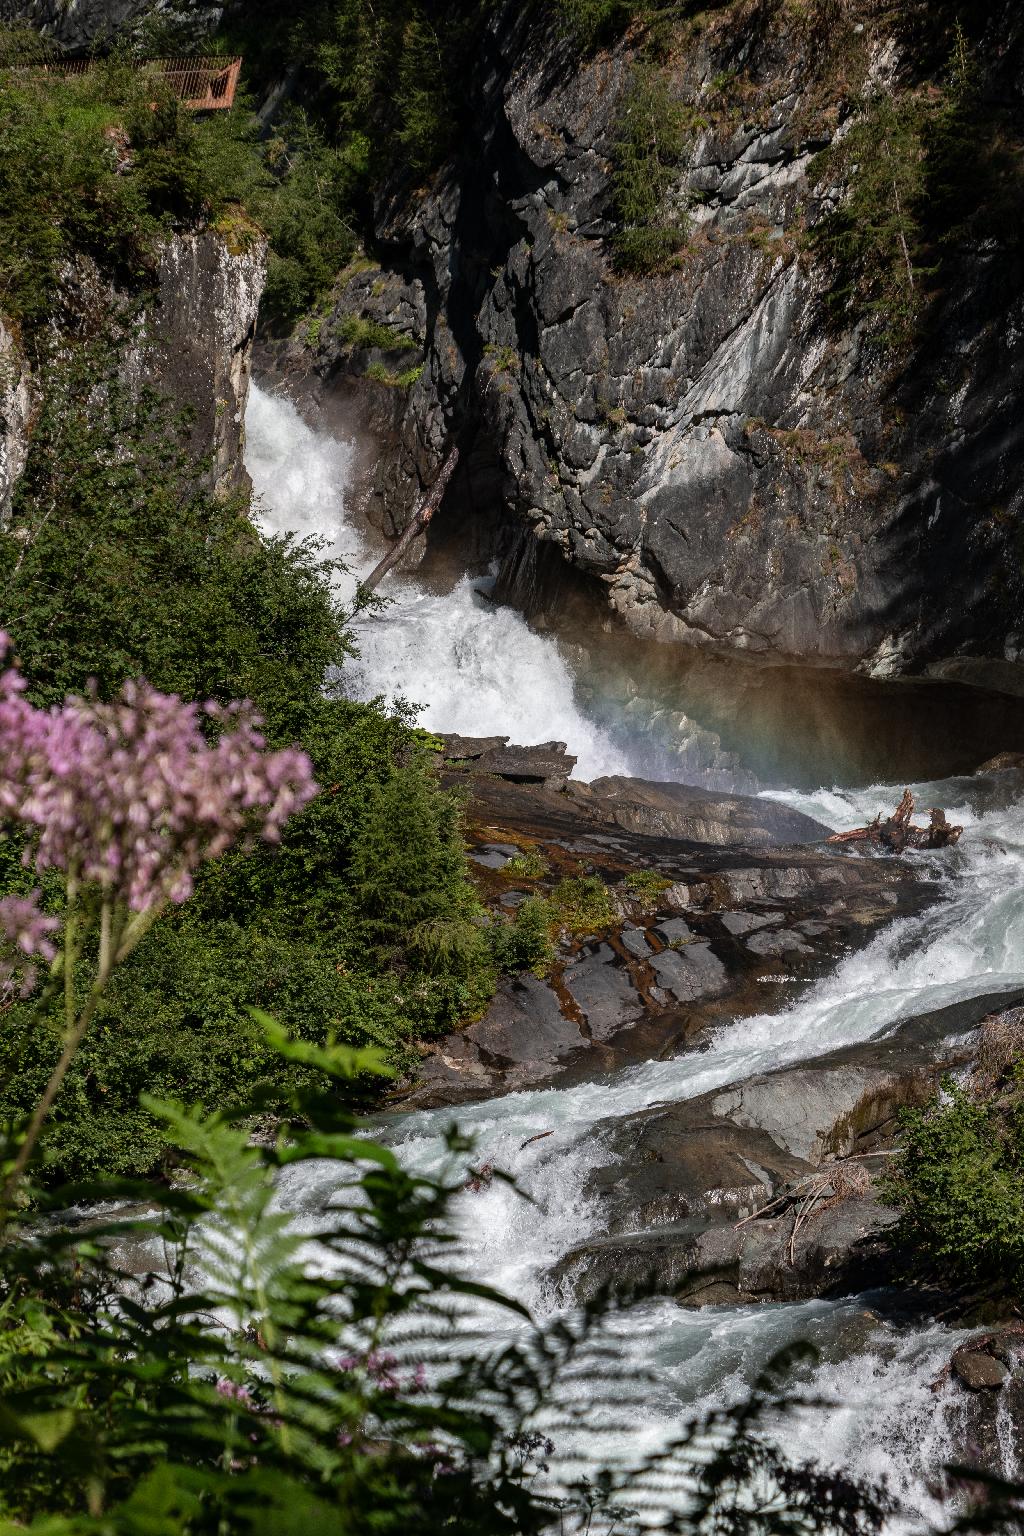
674	930
779	941
603	992
1003	762
456	748
747	922
493	855
645	992
679	810
547	764
691	973
764	1189
635	941
978	1370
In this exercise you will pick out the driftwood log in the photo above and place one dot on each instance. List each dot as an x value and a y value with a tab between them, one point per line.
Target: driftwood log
898	831
418	523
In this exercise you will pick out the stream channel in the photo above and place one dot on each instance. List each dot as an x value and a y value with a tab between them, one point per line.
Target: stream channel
479	669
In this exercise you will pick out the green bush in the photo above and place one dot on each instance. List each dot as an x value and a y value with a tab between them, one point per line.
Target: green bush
530	864
119	564
927	172
958	1184
359	333
582	904
524	942
650	138
646	885
874	240
104	164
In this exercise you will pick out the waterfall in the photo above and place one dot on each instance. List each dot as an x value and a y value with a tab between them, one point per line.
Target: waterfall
479	669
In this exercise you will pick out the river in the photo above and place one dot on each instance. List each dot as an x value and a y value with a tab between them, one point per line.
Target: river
479	669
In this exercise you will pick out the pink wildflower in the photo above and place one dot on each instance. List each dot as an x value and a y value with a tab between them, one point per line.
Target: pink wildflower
235	1392
131	796
26	930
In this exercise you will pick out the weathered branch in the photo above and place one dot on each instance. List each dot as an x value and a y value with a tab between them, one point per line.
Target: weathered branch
417	524
899	832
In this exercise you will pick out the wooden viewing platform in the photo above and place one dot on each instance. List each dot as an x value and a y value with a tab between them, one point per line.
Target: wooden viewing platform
203	85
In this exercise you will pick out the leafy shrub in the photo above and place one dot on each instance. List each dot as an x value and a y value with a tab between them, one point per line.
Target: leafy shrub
926	172
530	864
874	239
650	138
647	885
104	164
582	904
357	332
120	564
957	1184
524	942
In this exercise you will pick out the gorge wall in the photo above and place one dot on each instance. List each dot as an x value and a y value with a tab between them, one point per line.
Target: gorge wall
725	458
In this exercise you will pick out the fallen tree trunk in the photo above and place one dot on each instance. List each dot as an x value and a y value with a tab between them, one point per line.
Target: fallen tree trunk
417	524
899	832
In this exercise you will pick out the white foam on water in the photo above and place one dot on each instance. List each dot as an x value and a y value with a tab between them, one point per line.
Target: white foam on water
480	670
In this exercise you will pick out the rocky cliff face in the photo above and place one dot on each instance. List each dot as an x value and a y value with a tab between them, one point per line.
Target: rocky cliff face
78	24
16	405
188	337
721	460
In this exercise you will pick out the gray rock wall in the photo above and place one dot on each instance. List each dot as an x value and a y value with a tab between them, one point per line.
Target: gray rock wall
188	336
725	466
78	24
16	405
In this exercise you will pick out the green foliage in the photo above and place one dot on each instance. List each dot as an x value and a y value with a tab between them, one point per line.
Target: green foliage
524	943
361	924
874	239
366	1392
102	164
957	1184
305	206
121	565
530	864
650	139
582	904
91	165
359	333
413	903
647	885
927	171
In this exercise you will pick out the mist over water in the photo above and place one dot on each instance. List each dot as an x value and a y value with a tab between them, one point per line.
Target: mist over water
479	669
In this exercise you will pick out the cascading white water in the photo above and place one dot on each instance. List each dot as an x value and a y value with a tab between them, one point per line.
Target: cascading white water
480	670
475	668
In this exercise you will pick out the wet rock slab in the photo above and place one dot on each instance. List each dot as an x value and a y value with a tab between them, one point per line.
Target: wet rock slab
765	1190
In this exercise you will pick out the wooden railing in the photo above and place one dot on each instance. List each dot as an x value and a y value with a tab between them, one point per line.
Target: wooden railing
203	85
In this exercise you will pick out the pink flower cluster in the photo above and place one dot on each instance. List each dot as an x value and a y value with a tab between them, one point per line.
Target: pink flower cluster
27	931
381	1368
131	795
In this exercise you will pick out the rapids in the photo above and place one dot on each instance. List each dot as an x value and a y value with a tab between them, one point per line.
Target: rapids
479	669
